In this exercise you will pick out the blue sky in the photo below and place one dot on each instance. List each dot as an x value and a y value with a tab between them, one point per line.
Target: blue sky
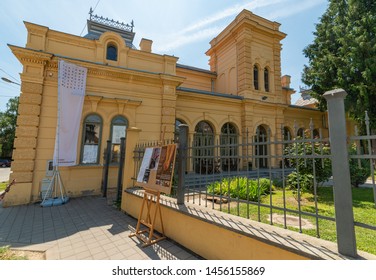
182	28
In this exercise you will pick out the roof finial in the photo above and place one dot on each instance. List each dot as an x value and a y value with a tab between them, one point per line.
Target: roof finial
91	12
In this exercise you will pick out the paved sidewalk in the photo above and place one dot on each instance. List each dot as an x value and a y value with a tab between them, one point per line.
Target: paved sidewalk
83	229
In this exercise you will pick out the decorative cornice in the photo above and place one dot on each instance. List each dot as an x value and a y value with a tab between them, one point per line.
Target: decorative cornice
30	56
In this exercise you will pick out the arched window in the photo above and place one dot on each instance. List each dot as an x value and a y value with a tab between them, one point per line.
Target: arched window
229	147
261	147
286	134
111	52
316	133
256	77
300	132
119	126
266	79
203	148
91	139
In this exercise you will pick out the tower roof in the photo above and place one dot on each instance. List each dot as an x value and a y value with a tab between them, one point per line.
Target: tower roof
97	25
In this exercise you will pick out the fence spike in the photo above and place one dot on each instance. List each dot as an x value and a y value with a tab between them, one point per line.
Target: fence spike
367	123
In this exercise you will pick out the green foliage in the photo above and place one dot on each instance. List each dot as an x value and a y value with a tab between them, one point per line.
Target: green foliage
241	187
301	182
8	121
360	169
343	55
307	167
278	183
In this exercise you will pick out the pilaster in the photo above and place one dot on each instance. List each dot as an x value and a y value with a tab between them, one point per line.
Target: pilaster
244	54
25	142
168	111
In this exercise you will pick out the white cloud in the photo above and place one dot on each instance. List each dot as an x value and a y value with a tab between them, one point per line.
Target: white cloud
197	30
293	8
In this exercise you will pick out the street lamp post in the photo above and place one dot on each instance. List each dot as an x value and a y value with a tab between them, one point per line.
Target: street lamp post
9	81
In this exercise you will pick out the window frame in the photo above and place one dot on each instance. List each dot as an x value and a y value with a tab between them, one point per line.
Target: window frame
109	55
98	121
118	120
256	77
266	79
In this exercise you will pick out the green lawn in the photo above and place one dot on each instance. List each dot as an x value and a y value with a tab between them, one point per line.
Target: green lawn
3	185
364	212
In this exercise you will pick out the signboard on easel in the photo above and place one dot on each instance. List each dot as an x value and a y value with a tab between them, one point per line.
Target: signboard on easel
157	168
155	176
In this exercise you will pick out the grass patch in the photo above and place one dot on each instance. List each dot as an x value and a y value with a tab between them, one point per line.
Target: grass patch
3	185
363	208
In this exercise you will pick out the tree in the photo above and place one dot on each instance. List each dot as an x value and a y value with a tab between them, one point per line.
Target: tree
343	55
306	169
8	127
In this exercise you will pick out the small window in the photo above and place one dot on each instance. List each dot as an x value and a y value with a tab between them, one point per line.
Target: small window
119	126
266	79
92	130
111	52
255	77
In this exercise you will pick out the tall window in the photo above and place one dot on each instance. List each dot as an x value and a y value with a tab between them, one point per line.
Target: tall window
119	126
92	130
111	52
203	148
316	133
229	147
261	147
266	79
255	77
300	132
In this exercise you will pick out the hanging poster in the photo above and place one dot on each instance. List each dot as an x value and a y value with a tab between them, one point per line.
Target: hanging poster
90	154
118	131
157	168
71	95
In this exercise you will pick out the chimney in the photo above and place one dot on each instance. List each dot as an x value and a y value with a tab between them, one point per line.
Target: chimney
286	80
145	45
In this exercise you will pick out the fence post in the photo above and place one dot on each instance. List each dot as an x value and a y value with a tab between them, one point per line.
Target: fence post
105	168
121	169
182	161
341	173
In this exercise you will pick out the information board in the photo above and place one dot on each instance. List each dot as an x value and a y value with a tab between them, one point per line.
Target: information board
157	168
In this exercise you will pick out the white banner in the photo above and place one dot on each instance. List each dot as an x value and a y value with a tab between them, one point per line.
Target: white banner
71	95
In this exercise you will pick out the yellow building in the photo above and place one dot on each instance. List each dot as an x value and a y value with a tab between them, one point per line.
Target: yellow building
147	94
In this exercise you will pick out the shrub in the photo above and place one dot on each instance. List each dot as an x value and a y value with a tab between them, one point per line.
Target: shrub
240	187
302	181
306	167
359	168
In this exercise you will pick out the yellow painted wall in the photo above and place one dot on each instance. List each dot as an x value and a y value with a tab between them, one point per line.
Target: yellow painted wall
207	239
200	80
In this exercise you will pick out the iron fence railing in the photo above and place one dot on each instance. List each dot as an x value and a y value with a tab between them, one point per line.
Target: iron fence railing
263	176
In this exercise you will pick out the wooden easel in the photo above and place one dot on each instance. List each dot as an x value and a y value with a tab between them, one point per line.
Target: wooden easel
152	237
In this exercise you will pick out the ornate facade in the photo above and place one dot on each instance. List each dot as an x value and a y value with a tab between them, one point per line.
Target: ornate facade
147	94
